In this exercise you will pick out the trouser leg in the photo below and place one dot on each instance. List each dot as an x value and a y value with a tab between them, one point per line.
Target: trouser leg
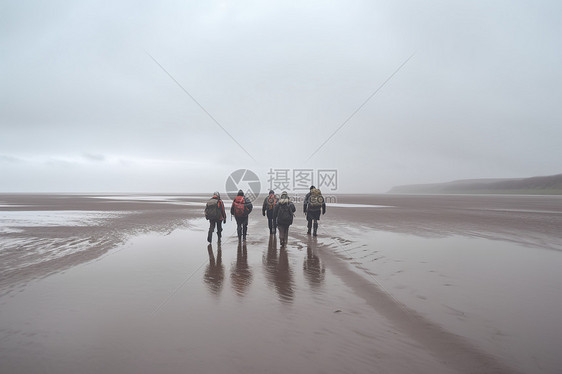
211	229
239	227
282	234
245	228
270	225
315	227
219	229
309	226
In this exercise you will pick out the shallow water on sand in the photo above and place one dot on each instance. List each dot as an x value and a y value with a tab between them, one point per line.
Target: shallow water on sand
503	296
174	304
399	285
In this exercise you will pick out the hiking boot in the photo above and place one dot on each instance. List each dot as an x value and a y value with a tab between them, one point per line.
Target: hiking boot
308	232
210	237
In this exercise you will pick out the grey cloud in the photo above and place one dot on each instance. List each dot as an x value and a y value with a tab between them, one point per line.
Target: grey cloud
10	159
479	99
94	157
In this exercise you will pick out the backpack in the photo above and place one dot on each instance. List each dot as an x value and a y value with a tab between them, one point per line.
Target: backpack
316	200
212	210
239	206
271	200
285	216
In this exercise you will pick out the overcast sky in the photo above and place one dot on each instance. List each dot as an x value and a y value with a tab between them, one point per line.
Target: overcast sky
90	96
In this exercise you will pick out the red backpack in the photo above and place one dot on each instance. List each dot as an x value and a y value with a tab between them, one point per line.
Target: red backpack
239	206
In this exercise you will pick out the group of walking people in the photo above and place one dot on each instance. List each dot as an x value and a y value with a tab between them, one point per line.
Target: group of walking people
279	212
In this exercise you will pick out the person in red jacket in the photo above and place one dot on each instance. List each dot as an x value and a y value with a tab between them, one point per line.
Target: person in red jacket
241	208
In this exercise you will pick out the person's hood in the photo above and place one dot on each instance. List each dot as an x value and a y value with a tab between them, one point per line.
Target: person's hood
284	199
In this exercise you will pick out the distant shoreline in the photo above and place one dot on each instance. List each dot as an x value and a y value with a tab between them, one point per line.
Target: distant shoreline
482	192
543	185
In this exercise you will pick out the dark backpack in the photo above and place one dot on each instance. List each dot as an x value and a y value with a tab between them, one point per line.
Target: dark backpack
212	210
239	206
271	201
284	215
316	200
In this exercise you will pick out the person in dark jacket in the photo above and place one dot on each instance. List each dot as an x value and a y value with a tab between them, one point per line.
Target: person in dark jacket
214	212
283	215
269	204
241	209
313	213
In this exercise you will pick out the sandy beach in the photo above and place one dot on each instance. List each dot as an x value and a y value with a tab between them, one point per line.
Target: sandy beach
392	284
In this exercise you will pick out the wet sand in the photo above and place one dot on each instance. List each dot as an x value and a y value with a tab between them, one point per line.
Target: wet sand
422	284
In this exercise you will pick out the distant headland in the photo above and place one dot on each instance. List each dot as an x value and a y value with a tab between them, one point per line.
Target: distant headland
542	185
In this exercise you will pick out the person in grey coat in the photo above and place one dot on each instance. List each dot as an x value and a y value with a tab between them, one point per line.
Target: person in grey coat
313	213
283	215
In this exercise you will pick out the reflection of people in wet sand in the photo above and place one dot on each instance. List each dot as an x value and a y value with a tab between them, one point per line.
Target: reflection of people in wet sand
284	277
241	275
313	268
270	260
214	274
278	271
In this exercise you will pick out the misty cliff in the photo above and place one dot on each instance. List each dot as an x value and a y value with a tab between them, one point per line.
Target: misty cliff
544	185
